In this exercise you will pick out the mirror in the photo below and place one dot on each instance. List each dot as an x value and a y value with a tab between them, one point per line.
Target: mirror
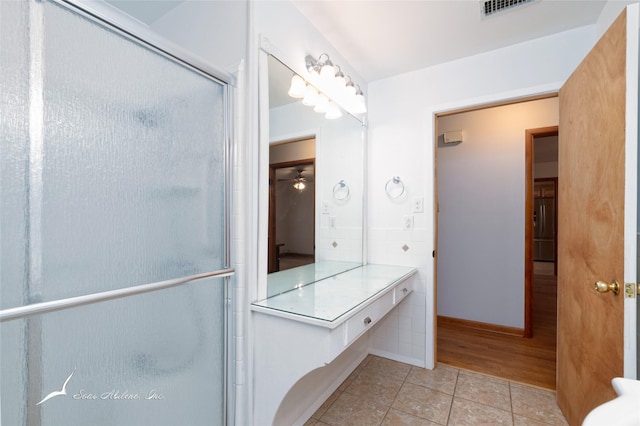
316	231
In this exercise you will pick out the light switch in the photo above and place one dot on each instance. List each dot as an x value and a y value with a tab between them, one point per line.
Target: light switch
418	205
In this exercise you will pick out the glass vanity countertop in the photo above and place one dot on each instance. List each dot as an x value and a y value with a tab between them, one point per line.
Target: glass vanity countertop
289	279
327	300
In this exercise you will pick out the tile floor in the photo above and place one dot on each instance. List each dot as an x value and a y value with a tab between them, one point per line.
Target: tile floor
385	392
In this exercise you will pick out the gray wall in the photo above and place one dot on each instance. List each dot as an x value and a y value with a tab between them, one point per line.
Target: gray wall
481	185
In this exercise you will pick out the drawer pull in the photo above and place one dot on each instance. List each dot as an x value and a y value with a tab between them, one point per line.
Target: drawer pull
367	321
404	290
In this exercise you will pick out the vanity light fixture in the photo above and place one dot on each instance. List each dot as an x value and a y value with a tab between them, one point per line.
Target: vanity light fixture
359	105
333	75
328	71
350	88
340	80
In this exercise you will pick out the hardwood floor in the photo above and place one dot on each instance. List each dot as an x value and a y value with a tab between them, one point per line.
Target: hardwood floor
529	361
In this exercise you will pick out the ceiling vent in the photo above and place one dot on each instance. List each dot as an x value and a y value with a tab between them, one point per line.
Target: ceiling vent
493	7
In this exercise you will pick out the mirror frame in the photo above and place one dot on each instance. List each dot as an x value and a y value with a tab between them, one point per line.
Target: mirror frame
266	50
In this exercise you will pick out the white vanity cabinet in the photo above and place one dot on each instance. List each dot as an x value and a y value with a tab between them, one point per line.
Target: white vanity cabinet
307	328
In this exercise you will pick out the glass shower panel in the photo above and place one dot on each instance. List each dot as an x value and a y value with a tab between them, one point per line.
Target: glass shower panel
14	149
112	175
132	163
143	360
14	131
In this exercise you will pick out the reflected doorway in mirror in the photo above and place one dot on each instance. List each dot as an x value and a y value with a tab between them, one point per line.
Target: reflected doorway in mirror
291	204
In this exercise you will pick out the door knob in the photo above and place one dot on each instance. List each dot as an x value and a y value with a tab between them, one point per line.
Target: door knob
603	287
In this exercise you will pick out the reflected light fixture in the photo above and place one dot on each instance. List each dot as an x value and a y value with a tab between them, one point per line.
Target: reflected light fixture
311	96
299	185
322	106
333	111
298	87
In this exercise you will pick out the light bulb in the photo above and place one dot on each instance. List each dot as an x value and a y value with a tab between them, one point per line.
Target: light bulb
310	96
327	72
351	89
299	185
359	104
322	105
298	87
333	112
340	81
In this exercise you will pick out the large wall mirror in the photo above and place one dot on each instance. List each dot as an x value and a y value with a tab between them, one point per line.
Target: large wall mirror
316	187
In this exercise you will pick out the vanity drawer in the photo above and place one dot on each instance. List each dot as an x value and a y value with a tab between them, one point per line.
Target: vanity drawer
361	322
402	291
365	319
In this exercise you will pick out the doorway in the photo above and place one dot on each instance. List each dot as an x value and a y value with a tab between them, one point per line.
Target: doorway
541	220
292	175
481	243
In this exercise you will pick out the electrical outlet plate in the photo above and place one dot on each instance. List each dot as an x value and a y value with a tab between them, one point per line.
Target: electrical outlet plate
408	222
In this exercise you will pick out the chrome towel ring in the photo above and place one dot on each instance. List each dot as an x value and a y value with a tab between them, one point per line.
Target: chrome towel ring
341	190
394	187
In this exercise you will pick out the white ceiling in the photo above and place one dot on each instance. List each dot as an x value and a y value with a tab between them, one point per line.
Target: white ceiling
382	38
390	37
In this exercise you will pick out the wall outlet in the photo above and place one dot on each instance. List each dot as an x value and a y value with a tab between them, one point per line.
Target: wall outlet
418	205
325	207
408	222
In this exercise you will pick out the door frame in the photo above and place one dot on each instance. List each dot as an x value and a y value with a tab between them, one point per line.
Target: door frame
530	134
431	203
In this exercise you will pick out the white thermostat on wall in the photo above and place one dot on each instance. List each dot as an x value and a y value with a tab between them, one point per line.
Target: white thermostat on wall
453	137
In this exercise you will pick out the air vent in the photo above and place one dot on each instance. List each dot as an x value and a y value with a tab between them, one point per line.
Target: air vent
492	7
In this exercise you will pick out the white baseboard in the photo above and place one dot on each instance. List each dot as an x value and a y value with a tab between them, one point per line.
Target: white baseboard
400	358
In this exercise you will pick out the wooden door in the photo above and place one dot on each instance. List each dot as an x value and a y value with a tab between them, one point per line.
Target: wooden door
591	237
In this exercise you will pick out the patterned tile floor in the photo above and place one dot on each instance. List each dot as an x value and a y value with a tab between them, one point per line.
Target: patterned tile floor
385	392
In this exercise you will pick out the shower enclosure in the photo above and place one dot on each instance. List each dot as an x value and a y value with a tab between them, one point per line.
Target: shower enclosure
113	226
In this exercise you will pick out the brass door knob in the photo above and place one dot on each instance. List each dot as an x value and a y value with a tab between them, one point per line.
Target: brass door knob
603	287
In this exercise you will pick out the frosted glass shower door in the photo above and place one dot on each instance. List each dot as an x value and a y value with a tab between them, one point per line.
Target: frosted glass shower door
113	164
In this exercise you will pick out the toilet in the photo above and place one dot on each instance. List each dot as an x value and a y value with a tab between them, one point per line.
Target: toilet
621	411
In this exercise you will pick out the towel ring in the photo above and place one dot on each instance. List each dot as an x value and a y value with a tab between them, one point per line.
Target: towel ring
394	187
341	190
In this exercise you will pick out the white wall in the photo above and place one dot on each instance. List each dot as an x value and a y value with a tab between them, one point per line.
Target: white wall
609	13
481	196
401	135
215	31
